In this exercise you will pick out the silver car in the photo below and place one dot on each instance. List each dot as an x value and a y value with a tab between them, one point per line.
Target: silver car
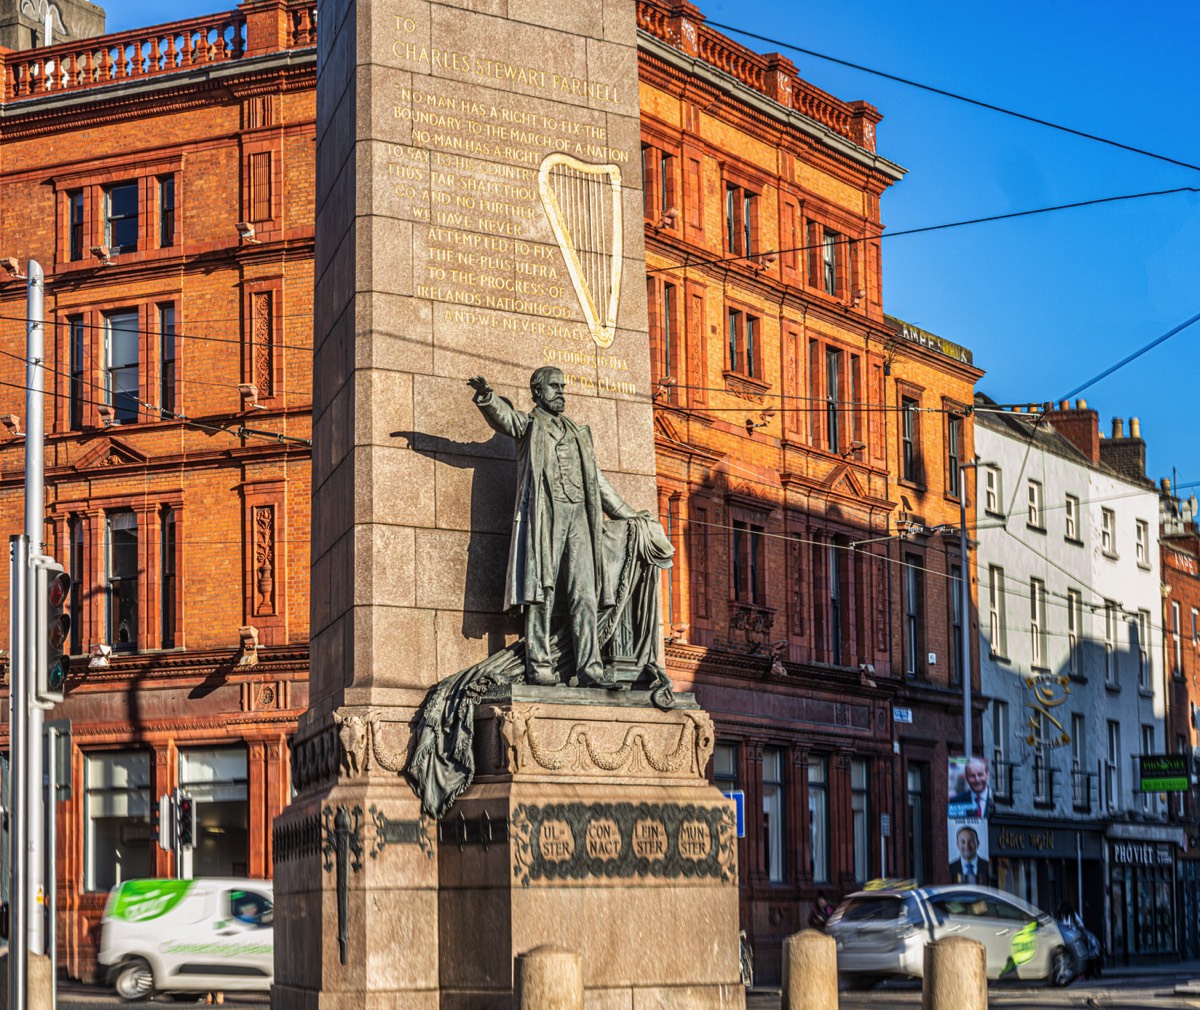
882	934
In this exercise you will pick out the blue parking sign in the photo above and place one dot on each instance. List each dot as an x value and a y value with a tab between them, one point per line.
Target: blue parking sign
739	800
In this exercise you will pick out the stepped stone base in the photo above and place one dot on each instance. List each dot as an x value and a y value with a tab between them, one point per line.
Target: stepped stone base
590	826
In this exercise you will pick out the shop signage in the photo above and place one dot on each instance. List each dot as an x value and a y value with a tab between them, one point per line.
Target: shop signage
1031	840
1038	841
1141	853
1163	773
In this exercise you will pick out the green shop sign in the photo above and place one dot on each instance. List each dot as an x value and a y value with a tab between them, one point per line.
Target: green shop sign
1163	773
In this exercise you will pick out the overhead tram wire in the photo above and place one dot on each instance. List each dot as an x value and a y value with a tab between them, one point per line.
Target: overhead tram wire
152	332
239	431
1052	597
1131	357
978	103
190	380
849	240
1148	346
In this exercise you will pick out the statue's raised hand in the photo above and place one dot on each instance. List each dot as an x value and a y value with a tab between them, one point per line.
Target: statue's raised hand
479	384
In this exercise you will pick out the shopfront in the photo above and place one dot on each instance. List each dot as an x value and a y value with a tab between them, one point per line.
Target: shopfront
1142	893
1049	862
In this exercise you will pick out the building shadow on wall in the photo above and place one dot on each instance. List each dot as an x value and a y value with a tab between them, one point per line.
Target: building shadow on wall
485	510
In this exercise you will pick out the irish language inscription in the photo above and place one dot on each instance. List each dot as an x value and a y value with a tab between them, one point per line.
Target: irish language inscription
597	841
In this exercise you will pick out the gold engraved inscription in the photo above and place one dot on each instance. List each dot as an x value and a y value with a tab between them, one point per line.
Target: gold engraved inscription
476	129
556	841
649	839
565	87
695	840
603	839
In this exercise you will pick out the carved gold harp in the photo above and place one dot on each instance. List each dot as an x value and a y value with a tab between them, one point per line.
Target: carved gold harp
583	203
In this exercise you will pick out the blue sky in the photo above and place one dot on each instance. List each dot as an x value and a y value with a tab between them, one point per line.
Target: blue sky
1044	302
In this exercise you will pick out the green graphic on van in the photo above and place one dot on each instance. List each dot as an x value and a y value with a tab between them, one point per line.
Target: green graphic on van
1024	944
219	949
141	900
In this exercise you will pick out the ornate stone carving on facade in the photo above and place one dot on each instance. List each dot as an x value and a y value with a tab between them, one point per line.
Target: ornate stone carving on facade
264	559
263	366
264	697
531	739
364	742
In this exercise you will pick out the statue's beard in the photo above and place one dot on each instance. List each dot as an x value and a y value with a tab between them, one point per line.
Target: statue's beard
556	405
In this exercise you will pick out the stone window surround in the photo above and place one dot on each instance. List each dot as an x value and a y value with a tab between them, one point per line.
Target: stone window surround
146	173
92	512
93	315
910	391
659	194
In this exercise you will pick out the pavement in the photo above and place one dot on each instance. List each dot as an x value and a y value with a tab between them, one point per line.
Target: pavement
1137	987
1173	986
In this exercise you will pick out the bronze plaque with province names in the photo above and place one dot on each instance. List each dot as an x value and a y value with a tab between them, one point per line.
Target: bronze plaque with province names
597	841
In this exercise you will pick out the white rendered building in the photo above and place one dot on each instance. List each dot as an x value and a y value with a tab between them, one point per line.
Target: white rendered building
1069	620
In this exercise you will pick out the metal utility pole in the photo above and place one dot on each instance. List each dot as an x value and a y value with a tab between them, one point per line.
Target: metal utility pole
18	740
965	603
55	731
26	925
34	521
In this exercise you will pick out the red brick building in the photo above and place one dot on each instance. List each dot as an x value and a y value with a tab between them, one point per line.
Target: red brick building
778	385
164	180
1179	545
930	390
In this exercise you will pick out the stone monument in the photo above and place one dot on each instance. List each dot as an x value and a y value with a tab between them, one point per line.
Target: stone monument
24	23
478	211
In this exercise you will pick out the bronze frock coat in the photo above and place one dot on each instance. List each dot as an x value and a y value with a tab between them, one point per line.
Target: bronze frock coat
529	553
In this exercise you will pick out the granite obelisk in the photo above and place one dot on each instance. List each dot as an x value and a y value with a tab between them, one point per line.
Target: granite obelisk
478	210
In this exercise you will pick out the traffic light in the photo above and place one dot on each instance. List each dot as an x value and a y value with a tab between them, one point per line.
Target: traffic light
187	821
52	589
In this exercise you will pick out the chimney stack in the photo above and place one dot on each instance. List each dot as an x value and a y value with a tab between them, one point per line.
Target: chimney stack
1165	484
1080	427
1125	455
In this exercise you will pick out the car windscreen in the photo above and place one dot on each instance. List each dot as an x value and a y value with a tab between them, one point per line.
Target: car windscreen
872	909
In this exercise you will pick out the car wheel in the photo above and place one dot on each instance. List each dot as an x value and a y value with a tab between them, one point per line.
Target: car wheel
134	980
1061	968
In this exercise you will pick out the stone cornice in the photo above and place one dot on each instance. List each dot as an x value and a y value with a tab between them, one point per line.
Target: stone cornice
186	89
694	71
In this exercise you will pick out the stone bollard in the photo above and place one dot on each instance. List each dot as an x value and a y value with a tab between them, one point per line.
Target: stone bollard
549	978
37	981
810	978
955	975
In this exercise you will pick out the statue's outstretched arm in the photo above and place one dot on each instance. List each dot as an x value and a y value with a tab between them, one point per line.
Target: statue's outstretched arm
497	411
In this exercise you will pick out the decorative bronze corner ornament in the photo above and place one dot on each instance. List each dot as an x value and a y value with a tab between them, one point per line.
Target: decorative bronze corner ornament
484	830
343	850
397	831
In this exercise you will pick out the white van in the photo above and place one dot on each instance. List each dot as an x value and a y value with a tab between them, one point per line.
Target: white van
188	936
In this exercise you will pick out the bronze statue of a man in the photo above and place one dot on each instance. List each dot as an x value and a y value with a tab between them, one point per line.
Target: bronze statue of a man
558	519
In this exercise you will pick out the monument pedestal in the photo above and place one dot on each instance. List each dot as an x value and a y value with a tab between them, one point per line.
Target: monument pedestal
355	877
590	825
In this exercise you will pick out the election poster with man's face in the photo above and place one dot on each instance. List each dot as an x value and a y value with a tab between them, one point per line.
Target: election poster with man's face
967	804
